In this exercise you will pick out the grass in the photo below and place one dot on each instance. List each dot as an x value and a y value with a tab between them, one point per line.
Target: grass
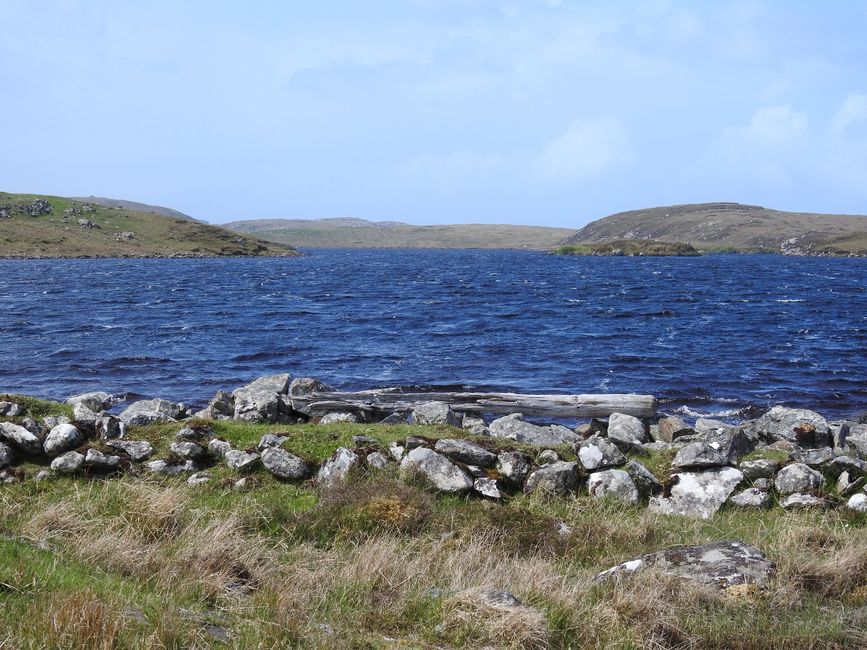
144	561
59	235
630	247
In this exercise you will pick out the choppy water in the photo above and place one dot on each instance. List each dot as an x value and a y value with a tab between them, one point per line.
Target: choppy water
724	334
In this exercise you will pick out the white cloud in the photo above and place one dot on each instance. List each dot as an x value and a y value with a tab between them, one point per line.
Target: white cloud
852	111
589	148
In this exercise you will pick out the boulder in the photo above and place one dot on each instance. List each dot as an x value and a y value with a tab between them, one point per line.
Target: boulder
475	425
241	461
706	425
95	401
263	399
751	498
559	478
672	427
855	466
759	468
719	448
301	386
221	407
149	411
187	450
337	467
219	448
436	413
81	413
6	455
108	427
719	564
62	438
137	450
598	453
547	456
271	440
813	457
513	427
68	463
698	494
170	469
798	477
514	467
857	502
466	452
377	460
627	430
646	483
20	438
339	417
800	501
98	460
613	484
436	468
800	426
284	465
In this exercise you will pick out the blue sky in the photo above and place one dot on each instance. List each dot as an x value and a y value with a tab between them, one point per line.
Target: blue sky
548	112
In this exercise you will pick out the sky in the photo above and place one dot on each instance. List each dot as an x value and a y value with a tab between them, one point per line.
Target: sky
545	112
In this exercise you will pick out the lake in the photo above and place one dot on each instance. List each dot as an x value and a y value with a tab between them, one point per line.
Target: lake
720	334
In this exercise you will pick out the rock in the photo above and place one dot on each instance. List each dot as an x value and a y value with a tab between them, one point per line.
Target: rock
496	598
365	441
855	466
799	501
149	411
646	483
475	425
720	564
307	385
487	487
199	478
765	484
698	494
219	448
412	442
262	399
751	498
170	469
221	407
80	413
513	466
20	438
377	460
613	483
6	455
857	502
845	486
284	465
626	430
337	467
706	425
436	413
547	456
719	448
98	460
466	452
671	428
241	461
798	477
813	457
804	428
559	478
599	453
394	418
271	440
759	468
396	451
31	425
513	427
42	475
95	401
63	437
108	427
10	409
187	450
436	468
137	450
68	463
337	418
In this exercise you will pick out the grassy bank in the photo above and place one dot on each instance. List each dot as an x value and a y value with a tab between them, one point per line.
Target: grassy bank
648	248
378	562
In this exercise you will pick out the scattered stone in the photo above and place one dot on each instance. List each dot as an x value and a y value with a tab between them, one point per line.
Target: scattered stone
466	452
96	401
284	465
801	501
338	418
759	468
42	475
364	441
377	460
798	477
846	486
108	427
698	494
514	467
80	413
855	466
219	448
436	413
613	483
20	438
61	438
439	470
187	450
857	502
396	451
241	461
170	469
199	478
599	453
719	448
137	450
763	484
803	427
68	463
337	467
149	411
394	418
706	425
487	487
559	478
221	407
98	460
672	427
646	483
412	442
751	498
720	564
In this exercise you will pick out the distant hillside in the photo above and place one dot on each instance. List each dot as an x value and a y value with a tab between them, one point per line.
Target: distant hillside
359	233
36	226
134	206
735	227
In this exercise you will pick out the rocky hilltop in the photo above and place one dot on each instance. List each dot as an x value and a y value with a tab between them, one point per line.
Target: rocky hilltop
36	226
260	521
733	227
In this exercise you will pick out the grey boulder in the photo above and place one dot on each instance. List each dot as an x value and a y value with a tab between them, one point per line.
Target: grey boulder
801	426
68	463
149	411
558	478
513	427
283	464
613	484
98	460
672	427
646	483
338	418
187	450
62	438
436	468
599	453
241	461
801	501
514	467
475	425
20	438
798	477
698	494
95	401
751	498
759	468
466	452
626	429
262	400
137	450
436	413
719	448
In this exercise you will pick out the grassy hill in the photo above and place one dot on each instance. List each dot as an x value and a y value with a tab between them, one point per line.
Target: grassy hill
630	247
38	226
359	233
733	227
135	206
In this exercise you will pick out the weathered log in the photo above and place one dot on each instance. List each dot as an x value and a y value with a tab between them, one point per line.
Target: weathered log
378	402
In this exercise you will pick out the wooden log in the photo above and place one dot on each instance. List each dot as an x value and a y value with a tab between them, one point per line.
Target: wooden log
378	402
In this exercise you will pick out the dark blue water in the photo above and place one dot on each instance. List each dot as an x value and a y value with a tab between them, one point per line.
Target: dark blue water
711	334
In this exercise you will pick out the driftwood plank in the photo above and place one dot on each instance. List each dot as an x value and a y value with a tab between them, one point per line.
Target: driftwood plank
389	400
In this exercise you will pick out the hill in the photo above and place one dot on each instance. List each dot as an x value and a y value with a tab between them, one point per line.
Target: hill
733	227
36	226
630	247
360	233
135	206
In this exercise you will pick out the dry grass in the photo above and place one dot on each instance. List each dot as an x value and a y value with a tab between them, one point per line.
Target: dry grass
471	617
81	619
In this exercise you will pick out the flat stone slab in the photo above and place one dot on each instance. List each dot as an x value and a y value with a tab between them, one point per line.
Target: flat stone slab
720	564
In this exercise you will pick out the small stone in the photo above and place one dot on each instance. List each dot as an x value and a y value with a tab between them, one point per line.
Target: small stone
436	413
436	468
646	483
98	460
20	438
599	453
465	451
613	483
626	429
219	448
759	468
241	461
801	501
170	469
671	428
751	498
475	425
338	418
857	502
137	450
813	457
337	467
187	450
548	456
199	478
396	451
798	477
284	465
68	463
514	467
487	487
559	478
377	460
108	427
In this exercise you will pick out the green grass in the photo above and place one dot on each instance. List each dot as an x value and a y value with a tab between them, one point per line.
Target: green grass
630	247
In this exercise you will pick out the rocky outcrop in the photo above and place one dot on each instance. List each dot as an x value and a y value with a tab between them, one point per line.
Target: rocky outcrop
263	400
